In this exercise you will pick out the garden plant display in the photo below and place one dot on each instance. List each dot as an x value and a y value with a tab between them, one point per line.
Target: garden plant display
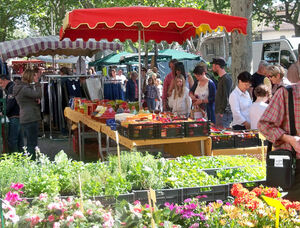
138	172
247	209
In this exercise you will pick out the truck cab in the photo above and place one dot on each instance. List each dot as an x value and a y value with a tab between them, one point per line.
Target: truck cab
281	51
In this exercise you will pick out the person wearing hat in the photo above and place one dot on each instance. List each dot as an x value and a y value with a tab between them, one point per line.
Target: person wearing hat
222	106
14	136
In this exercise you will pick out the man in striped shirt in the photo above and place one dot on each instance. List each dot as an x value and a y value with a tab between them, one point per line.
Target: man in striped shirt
274	125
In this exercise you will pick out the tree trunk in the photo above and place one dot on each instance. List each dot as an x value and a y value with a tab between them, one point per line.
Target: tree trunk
297	30
241	53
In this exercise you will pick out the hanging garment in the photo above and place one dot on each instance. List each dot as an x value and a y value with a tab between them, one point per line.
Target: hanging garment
73	87
94	88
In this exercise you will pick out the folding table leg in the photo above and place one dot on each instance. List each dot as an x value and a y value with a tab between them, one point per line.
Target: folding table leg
79	141
100	146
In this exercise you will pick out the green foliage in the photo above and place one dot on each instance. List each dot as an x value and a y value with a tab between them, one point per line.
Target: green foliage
138	171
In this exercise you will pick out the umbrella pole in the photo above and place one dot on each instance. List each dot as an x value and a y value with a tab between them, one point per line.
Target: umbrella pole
140	89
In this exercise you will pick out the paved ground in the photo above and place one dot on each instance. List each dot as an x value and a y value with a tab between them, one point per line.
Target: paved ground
51	147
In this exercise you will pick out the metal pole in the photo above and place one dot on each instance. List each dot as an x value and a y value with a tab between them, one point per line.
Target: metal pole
1	214
140	89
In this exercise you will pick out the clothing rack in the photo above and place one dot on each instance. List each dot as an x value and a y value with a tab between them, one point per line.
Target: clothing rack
60	111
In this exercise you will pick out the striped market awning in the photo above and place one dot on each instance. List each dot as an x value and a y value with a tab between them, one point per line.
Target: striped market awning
51	45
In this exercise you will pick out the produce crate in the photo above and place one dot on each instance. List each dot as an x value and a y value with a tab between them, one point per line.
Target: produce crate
246	140
138	131
170	130
162	196
212	193
222	141
111	200
197	128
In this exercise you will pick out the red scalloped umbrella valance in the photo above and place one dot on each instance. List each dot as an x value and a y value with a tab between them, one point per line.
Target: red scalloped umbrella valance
155	23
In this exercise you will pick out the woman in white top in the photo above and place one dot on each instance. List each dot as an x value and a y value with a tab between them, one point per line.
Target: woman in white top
262	94
240	102
203	94
180	101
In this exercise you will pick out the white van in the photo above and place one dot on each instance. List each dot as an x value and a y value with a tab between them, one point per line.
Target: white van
283	51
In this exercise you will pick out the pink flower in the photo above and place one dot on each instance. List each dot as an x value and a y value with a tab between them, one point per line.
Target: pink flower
43	196
70	219
89	211
108	220
16	186
55	206
77	205
12	197
34	220
78	214
51	218
137	202
56	225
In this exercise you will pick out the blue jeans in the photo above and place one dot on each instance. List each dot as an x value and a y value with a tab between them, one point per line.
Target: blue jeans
224	121
31	133
151	104
15	136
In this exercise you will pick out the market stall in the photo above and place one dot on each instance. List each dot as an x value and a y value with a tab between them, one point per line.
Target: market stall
147	23
101	128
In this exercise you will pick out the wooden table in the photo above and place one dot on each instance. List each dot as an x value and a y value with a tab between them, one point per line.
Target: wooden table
174	146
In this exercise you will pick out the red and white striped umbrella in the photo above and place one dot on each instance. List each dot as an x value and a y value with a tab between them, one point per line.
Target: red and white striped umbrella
51	45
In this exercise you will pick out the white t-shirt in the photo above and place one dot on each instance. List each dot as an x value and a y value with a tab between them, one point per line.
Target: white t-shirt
256	111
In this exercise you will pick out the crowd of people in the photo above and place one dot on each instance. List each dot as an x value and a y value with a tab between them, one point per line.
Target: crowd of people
196	94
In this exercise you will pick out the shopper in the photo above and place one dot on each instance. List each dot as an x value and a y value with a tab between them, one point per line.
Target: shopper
14	136
132	92
180	101
262	95
28	94
260	77
276	75
293	74
222	107
167	82
240	102
203	93
151	94
274	125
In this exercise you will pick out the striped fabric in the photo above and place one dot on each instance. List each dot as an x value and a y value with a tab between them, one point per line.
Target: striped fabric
51	45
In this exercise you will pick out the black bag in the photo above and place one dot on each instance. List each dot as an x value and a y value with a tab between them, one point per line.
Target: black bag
281	164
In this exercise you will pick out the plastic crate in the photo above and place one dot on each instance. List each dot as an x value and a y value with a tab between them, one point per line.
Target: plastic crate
246	140
111	200
197	128
212	193
162	196
170	130
138	131
222	141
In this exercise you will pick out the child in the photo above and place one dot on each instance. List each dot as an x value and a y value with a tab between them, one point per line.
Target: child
262	94
180	101
151	94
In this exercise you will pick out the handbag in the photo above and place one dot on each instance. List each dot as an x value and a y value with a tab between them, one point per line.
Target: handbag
281	164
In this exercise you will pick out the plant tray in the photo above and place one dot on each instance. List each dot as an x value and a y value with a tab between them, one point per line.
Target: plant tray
246	140
170	130
197	128
111	200
138	131
222	141
212	193
162	196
